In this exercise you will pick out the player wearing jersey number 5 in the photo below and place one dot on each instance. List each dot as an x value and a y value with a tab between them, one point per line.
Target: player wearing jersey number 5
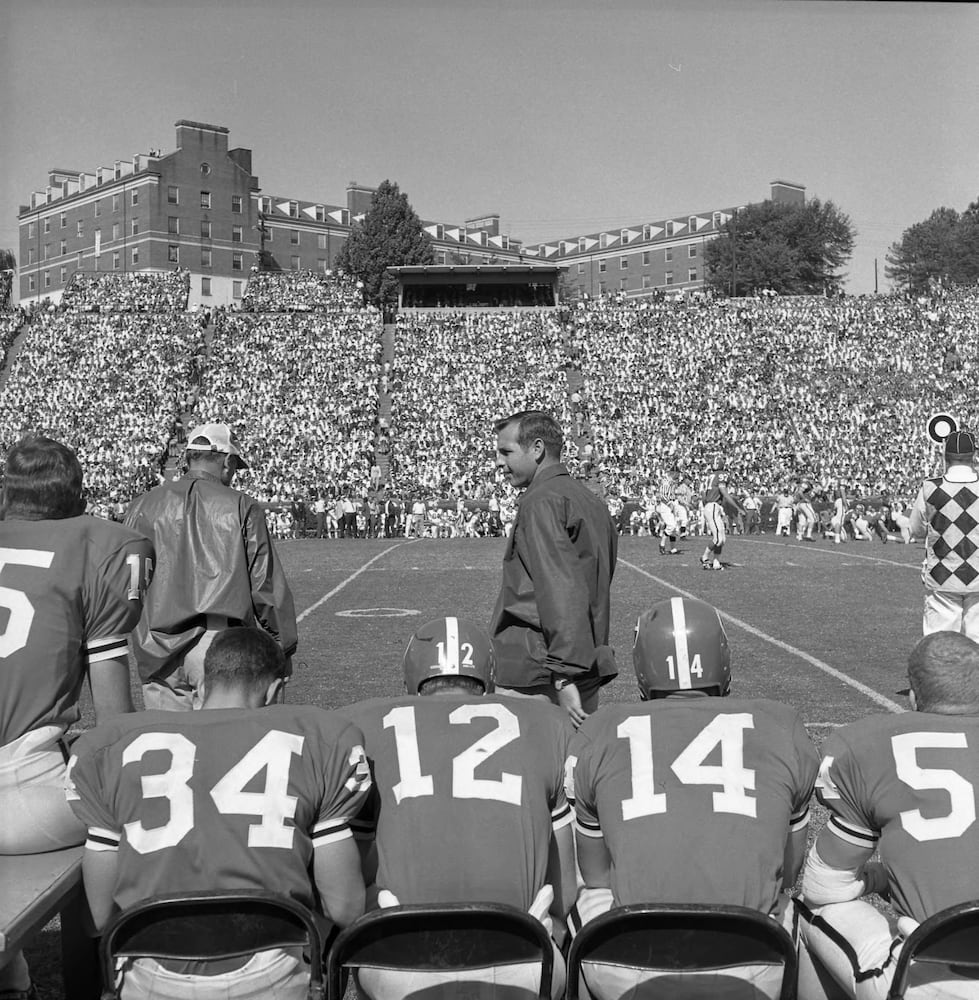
468	802
903	785
71	589
245	794
688	798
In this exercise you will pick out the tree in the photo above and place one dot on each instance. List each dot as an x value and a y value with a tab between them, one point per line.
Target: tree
390	235
791	249
944	247
8	269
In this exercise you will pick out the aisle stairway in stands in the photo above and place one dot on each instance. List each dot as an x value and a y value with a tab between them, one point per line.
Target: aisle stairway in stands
576	383
383	459
15	349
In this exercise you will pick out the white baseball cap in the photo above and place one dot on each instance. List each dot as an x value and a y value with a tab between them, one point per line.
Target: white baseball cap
217	438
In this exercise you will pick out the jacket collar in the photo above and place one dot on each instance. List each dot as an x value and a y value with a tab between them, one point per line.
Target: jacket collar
548	473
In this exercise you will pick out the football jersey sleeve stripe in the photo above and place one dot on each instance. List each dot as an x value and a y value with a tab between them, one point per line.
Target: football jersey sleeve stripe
561	820
587	831
852	834
100	839
800	821
110	648
332	836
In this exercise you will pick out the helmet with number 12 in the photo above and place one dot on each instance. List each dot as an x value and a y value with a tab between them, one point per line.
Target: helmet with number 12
681	645
449	647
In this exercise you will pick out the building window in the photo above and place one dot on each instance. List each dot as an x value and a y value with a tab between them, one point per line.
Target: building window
236	204
134	227
692	274
81	257
236	262
647	232
668	254
115	261
205	199
205	256
320	213
293	209
582	246
581	268
47	250
321	241
173	225
668	278
623	284
63	274
64	220
624	235
294	237
134	257
645	258
173	254
64	248
236	289
716	218
205	229
31	230
269	233
47	225
265	206
134	197
603	241
321	265
30	283
205	285
601	288
623	263
98	209
47	279
647	281
692	250
115	203
79	228
115	230
236	234
692	223
294	263
602	266
173	195
205	169
30	255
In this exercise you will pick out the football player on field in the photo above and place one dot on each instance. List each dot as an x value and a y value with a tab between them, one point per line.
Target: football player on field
715	495
903	785
468	802
689	797
72	590
244	794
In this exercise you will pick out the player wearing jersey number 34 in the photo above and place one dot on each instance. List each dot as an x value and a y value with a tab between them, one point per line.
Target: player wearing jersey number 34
689	797
244	794
468	802
905	786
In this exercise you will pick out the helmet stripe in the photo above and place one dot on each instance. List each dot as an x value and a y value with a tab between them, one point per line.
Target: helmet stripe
680	642
451	665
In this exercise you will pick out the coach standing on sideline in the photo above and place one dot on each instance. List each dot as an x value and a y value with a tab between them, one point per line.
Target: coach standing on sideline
947	509
551	621
216	568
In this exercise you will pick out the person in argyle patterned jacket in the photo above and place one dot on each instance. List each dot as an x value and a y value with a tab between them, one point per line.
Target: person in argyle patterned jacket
947	512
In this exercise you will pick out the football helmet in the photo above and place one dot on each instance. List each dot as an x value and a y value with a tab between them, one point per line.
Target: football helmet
680	645
448	646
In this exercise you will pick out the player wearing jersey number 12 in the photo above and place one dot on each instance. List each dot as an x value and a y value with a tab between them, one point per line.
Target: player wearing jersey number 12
689	797
903	785
244	794
468	802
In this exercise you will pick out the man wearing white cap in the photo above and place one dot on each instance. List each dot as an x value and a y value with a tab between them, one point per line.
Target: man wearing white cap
216	568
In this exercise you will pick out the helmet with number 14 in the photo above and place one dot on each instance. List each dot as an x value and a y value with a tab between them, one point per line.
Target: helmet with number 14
449	647
680	645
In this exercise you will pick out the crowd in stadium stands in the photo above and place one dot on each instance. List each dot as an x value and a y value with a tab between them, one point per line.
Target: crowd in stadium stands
452	375
129	291
301	291
109	386
300	390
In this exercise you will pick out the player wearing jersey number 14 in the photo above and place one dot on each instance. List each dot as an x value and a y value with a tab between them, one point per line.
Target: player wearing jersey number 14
903	785
468	803
245	794
689	797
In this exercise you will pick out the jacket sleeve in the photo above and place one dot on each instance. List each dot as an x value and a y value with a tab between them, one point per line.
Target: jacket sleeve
271	596
919	516
560	587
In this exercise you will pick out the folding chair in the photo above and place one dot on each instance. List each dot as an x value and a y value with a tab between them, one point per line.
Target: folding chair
678	937
211	925
453	936
950	938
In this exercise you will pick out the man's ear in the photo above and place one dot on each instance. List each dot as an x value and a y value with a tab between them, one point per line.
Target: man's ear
540	451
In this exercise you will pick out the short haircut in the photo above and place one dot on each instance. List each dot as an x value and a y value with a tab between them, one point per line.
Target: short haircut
451	682
42	480
243	657
534	424
943	669
195	457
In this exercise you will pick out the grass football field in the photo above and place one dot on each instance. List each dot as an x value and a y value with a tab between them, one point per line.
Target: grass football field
825	628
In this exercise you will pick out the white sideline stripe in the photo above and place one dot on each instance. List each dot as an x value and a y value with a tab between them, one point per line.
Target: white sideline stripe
353	576
874	696
835	551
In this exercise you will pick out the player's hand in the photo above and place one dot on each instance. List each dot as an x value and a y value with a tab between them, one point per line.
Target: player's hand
569	699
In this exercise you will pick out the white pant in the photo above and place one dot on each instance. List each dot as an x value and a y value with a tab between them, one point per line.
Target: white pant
179	691
857	948
35	814
949	612
274	973
784	520
714	523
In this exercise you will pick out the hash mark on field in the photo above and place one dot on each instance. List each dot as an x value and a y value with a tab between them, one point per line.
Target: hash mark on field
874	696
353	576
836	552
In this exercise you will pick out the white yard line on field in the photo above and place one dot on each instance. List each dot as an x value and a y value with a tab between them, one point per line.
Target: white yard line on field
875	696
353	576
837	550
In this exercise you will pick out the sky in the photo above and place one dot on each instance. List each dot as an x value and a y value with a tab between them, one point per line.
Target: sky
563	117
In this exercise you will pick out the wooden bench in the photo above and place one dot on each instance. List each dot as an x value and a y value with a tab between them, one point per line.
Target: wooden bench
33	889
